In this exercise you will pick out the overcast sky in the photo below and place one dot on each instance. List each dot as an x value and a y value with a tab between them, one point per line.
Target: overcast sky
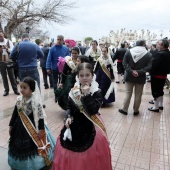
96	18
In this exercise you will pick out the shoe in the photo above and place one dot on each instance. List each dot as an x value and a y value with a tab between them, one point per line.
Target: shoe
56	100
161	107
153	110
44	106
151	102
117	82
51	86
5	93
17	93
123	82
17	81
46	87
104	105
122	111
136	113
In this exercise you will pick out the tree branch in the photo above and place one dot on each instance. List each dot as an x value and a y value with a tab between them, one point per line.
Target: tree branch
16	12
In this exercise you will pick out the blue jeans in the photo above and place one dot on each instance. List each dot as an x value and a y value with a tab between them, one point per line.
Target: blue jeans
33	73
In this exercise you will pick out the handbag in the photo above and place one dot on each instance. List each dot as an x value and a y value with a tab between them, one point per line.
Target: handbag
58	92
12	65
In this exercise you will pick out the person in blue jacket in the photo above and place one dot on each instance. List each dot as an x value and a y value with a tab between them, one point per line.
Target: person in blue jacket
56	51
26	54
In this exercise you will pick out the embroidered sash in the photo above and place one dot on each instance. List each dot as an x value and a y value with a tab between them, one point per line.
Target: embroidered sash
93	118
70	63
104	69
41	144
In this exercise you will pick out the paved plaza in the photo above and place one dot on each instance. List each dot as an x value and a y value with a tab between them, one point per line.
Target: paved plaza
137	142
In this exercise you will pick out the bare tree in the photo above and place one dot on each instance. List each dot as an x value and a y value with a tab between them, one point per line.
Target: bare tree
1	29
16	12
39	33
36	31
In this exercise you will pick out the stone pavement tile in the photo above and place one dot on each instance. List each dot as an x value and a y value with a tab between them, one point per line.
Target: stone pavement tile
142	164
120	166
167	167
4	159
157	167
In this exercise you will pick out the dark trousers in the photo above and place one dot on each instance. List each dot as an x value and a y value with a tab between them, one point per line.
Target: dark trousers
10	71
157	86
120	68
16	73
55	79
32	72
45	75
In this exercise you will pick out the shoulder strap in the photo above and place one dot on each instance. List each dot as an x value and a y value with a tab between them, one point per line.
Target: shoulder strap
7	44
17	48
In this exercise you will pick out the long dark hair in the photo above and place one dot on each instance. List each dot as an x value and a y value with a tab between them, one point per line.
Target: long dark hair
75	49
106	49
30	81
83	59
83	66
95	42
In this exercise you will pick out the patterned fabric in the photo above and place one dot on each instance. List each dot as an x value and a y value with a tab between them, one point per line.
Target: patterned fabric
21	146
82	138
23	154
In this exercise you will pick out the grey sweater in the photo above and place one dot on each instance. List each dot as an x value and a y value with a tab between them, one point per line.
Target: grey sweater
142	66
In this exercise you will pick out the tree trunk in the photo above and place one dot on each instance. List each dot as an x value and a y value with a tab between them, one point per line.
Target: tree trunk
8	30
1	29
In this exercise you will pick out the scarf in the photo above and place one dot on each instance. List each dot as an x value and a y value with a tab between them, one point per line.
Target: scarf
137	53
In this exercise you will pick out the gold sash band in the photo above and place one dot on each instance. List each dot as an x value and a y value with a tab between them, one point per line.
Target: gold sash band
42	144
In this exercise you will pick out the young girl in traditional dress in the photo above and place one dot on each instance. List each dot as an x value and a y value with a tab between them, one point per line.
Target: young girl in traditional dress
83	144
82	59
68	76
105	76
93	53
31	145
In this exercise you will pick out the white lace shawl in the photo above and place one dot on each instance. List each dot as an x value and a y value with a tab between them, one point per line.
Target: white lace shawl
95	55
76	89
36	103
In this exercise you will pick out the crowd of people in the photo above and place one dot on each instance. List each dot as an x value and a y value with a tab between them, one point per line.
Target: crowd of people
83	81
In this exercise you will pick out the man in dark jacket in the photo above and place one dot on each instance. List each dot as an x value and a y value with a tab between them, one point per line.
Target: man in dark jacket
82	49
153	51
6	47
137	61
160	69
43	60
119	55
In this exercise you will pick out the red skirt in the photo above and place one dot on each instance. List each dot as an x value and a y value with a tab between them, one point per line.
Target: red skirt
97	157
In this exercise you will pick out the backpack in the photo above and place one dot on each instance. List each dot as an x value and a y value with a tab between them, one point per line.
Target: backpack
60	64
